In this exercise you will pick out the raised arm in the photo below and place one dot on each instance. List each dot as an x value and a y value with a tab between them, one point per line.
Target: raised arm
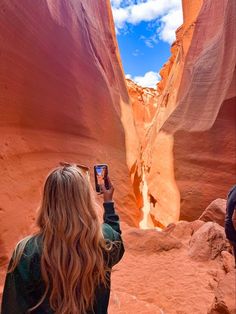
111	225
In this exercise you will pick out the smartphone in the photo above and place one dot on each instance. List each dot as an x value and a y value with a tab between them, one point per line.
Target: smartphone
100	176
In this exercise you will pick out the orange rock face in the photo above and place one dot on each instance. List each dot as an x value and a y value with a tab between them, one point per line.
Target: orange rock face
170	151
188	156
144	102
63	97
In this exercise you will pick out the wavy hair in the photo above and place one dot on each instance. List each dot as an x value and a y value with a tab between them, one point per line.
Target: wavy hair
72	260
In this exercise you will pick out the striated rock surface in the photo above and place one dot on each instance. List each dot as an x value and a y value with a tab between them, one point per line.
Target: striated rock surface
188	156
144	102
63	97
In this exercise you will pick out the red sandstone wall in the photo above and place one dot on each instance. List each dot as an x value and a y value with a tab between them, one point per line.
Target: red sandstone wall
144	103
188	155
205	114
63	98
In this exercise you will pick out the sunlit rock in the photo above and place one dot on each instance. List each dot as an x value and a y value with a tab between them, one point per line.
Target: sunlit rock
188	154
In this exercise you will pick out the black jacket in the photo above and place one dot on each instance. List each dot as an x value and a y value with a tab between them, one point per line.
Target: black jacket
230	207
24	286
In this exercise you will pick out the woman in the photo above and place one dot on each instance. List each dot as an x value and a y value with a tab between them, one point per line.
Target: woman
65	267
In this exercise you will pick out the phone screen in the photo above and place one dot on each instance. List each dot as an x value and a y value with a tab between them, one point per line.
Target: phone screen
100	174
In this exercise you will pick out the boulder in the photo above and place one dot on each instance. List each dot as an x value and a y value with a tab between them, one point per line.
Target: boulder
150	241
215	212
208	242
225	297
183	230
228	261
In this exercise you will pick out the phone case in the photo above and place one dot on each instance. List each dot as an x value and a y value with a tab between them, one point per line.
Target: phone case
100	168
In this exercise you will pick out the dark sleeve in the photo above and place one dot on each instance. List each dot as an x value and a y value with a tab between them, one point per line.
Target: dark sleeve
14	299
21	282
230	208
112	232
110	217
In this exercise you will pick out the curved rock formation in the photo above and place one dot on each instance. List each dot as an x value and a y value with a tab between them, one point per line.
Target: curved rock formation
188	155
204	117
63	97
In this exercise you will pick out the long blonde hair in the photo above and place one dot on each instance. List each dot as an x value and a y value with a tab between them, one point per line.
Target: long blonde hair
72	260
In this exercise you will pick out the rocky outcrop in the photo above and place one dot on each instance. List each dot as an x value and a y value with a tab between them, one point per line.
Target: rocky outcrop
63	98
188	155
151	241
144	102
208	242
224	301
162	277
215	212
228	261
183	230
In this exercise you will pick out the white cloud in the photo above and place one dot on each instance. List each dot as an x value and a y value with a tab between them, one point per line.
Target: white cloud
168	12
150	79
120	16
128	76
170	22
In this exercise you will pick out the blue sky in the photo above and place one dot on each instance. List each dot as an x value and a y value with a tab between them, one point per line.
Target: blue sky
145	30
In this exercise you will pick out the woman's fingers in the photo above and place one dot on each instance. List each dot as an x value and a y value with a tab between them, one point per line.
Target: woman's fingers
109	183
102	185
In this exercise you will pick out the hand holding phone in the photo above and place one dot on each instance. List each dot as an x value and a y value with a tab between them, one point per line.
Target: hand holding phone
108	193
103	183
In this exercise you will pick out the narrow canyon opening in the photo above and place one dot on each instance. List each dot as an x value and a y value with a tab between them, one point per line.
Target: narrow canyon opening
64	96
174	131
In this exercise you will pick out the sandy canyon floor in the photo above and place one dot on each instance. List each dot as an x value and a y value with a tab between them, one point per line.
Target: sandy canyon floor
170	272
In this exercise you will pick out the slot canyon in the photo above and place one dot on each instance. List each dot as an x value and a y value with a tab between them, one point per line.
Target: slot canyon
171	150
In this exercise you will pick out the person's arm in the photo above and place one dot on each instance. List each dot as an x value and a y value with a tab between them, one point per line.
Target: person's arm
110	217
20	284
14	298
111	226
230	208
9	298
